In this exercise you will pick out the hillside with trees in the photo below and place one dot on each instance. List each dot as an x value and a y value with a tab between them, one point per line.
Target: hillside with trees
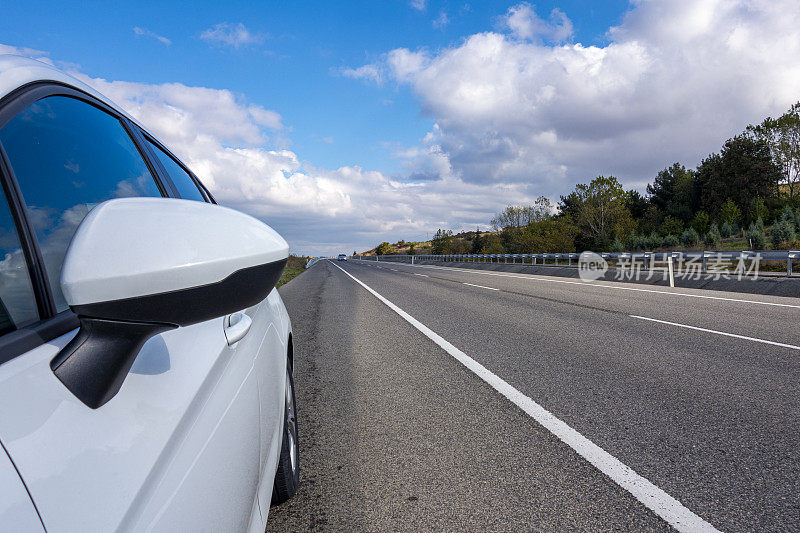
746	196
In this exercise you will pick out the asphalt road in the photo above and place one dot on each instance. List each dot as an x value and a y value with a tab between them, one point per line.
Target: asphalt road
398	435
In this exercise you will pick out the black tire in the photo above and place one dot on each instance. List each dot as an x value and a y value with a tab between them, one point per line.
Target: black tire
287	477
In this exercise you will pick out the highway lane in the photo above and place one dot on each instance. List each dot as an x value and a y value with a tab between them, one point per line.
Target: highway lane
711	420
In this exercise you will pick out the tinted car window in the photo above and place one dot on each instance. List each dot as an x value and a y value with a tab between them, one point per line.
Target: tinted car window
69	156
186	186
17	301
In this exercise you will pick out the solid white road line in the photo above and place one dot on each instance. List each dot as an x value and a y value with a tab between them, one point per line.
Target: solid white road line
754	339
655	499
481	286
592	284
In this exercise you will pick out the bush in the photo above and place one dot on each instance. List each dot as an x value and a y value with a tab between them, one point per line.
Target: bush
653	241
632	242
756	235
783	232
789	217
671	241
690	238
726	230
713	238
617	246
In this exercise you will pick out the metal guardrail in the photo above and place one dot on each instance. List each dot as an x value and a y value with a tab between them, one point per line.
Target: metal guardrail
571	259
313	260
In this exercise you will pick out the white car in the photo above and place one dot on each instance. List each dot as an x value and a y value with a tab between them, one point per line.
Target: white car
341	257
145	356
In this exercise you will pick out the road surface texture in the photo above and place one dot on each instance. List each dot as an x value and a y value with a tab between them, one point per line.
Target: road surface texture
661	406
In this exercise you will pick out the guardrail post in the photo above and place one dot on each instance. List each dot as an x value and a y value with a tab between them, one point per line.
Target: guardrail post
704	262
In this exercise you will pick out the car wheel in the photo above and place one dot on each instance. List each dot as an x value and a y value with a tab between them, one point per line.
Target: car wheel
287	477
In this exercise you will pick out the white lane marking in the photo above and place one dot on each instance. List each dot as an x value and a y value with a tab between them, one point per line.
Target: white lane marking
591	284
481	286
423	275
655	499
754	339
394	270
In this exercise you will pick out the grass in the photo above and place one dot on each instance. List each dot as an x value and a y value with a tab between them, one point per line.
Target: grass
295	266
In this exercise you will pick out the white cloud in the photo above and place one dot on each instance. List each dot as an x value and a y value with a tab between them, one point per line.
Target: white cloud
675	80
524	23
147	33
234	35
226	141
419	5
441	21
365	72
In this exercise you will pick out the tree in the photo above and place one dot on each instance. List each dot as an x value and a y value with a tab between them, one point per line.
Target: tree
600	211
782	135
730	212
441	242
674	193
744	169
516	216
383	248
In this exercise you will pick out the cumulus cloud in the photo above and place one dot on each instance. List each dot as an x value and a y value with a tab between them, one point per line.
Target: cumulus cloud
147	33
674	81
228	143
524	23
233	35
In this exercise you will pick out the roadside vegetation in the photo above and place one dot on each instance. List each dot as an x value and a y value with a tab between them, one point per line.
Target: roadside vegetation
744	197
295	266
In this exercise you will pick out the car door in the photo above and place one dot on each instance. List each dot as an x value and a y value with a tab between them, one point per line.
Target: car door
178	447
265	338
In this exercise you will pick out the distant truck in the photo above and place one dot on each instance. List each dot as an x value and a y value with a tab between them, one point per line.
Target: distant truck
342	257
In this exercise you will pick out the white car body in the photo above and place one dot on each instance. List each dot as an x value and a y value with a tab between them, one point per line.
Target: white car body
191	440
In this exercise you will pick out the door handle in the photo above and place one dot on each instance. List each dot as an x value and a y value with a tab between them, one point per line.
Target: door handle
236	327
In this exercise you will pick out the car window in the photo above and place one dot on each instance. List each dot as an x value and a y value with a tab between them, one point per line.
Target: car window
186	186
69	156
17	301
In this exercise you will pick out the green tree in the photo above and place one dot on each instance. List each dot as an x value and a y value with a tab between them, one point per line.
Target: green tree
383	248
492	245
782	135
713	238
600	212
671	226
673	192
730	212
517	216
758	210
701	222
743	170
442	242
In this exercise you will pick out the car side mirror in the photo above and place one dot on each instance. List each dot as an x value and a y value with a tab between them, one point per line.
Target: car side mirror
137	267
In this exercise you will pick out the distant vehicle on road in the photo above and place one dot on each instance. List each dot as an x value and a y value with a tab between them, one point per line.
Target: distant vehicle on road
145	357
342	257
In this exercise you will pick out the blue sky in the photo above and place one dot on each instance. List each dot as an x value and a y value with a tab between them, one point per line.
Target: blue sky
293	68
350	123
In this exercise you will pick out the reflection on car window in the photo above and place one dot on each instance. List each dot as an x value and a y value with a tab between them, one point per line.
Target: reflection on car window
183	181
69	156
17	302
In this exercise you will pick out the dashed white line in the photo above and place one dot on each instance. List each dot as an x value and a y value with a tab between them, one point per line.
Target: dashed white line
593	284
394	270
423	275
754	339
655	499
480	286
